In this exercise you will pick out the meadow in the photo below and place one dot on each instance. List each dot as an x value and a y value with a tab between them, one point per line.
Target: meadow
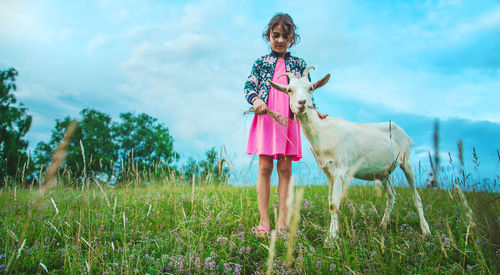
188	227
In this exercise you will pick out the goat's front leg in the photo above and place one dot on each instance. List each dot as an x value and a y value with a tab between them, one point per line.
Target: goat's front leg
335	186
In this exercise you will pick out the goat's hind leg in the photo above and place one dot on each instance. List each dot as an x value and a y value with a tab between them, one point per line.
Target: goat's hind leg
410	177
391	198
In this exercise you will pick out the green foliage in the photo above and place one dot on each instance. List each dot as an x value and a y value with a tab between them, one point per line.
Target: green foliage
168	228
142	143
213	169
134	144
14	124
92	138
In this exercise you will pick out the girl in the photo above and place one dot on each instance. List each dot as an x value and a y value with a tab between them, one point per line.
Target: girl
267	138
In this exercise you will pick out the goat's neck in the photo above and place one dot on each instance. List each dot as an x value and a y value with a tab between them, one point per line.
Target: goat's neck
309	122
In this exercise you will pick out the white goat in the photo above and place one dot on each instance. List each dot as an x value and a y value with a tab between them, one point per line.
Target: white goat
344	149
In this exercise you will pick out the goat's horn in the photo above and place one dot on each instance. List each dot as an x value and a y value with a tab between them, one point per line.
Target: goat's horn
306	71
289	74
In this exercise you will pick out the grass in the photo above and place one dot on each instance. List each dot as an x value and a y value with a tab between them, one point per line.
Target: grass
167	228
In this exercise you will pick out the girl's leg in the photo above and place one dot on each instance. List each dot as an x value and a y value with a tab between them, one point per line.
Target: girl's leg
284	173
263	188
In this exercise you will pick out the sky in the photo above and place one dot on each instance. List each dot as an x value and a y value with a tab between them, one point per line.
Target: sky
185	63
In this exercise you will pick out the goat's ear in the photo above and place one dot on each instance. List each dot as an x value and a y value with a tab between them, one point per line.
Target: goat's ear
320	83
279	87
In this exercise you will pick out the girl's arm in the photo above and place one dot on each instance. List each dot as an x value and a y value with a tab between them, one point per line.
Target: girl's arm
252	83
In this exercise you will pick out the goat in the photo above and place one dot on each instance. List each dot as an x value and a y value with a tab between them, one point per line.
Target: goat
345	149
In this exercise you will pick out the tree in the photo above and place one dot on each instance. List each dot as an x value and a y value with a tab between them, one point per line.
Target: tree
213	169
144	141
93	138
14	124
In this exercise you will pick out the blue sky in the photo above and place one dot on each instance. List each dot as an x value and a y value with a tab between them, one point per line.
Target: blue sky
185	63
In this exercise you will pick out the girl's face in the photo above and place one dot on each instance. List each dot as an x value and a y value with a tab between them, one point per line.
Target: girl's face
279	40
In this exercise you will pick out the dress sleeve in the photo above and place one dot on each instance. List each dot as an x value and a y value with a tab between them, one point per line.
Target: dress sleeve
252	83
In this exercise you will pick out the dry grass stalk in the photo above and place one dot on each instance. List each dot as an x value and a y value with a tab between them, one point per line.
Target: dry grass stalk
442	246
55	206
450	235
84	164
281	120
104	193
192	190
58	158
294	223
272	252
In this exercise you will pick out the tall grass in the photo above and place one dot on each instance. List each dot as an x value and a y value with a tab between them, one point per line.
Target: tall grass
157	221
168	227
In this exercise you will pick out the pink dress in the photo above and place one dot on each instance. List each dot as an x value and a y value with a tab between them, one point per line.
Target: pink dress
267	137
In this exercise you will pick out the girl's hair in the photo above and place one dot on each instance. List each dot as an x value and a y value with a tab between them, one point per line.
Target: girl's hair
288	26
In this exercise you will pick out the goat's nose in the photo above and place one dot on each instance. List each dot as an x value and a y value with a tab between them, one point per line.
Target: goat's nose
302	102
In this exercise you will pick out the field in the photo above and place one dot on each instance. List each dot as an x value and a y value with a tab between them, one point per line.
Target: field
170	227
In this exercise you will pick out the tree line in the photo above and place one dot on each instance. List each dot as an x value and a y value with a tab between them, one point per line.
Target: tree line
136	146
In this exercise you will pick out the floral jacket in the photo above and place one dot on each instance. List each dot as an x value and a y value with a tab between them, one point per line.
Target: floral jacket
263	69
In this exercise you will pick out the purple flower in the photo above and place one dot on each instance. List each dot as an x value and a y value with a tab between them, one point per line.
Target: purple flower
222	240
209	264
318	264
131	257
237	269
227	267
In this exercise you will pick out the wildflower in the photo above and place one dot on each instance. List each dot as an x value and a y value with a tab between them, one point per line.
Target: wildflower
222	240
197	262
242	250
332	267
248	250
227	268
318	264
131	256
237	269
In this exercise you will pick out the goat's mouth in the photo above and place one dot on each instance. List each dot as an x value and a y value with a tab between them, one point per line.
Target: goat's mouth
301	108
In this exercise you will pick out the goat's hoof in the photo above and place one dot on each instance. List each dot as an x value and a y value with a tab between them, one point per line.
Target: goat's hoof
330	240
425	230
384	224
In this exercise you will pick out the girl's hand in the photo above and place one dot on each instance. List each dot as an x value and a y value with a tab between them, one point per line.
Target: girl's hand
259	106
322	116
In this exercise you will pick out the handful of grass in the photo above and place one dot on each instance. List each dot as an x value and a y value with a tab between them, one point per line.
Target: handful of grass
283	121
